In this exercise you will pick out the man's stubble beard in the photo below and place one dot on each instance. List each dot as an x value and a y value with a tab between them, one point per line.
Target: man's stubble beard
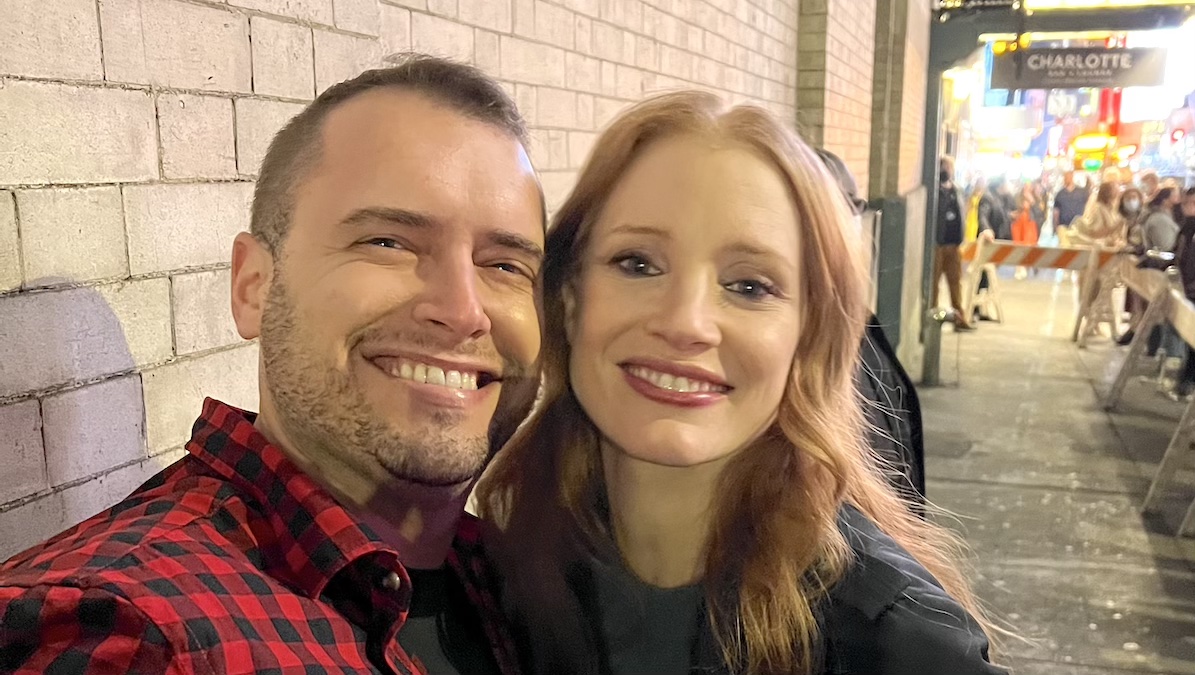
322	408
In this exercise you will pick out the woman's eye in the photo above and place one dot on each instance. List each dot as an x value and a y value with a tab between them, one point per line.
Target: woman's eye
636	266
752	289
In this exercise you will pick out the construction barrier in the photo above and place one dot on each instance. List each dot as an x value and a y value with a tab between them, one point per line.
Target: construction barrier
987	255
1167	302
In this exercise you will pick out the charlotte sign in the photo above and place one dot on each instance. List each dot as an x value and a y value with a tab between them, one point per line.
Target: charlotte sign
1075	68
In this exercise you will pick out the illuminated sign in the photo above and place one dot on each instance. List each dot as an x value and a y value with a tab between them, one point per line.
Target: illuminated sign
1081	67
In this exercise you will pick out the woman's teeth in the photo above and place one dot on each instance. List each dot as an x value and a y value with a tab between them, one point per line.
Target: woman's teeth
682	385
421	372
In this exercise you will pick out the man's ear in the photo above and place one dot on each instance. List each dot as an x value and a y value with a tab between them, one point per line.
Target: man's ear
252	272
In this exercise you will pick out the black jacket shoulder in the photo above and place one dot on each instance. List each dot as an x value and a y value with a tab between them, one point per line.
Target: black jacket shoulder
889	616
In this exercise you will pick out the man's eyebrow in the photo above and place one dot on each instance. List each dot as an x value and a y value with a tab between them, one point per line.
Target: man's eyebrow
517	242
393	215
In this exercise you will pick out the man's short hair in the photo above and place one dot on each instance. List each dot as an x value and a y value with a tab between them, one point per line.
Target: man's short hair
296	149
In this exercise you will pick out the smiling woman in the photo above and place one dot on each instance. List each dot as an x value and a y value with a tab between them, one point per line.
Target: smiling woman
694	492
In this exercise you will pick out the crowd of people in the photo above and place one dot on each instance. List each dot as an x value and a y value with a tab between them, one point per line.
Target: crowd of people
1144	214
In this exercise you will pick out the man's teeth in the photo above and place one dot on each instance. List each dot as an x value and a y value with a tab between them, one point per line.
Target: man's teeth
421	372
672	383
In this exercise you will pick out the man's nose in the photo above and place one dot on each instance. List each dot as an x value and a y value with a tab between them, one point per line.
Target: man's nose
451	301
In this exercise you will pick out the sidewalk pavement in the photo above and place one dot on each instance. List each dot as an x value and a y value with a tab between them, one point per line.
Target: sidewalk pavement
1045	487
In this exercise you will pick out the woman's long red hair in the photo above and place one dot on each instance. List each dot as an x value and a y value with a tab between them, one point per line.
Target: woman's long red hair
774	549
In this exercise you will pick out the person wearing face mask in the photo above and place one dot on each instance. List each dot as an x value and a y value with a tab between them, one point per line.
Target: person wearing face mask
1128	207
948	262
695	493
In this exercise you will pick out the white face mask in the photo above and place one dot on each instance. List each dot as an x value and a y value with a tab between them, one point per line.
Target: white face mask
1133	205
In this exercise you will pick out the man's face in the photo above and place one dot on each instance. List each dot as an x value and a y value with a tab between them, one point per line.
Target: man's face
1069	178
400	332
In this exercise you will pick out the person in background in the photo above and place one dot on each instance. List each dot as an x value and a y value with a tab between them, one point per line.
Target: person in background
1149	182
948	261
695	493
993	213
1159	232
971	230
1069	202
1024	227
893	410
1184	259
1128	206
1100	224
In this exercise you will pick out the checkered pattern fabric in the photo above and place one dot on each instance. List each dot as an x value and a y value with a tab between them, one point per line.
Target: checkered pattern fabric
230	561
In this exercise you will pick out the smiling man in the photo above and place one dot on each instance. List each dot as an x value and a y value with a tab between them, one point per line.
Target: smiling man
390	273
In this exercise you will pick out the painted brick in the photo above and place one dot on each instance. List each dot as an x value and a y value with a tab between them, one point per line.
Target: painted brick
580	143
420	5
342	57
283	63
30	523
36	521
496	15
257	122
524	18
434	35
629	15
629	82
21	448
444	8
487	53
582	73
584	34
585	111
202	315
176	44
176	226
197	136
395	30
549	149
557	185
54	133
80	334
588	7
554	25
92	429
10	245
316	11
609	78
608	42
525	100
50	38
72	234
531	62
359	16
557	107
174	393
605	110
84	501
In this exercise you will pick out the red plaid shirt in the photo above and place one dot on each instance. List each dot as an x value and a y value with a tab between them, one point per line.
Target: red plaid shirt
231	560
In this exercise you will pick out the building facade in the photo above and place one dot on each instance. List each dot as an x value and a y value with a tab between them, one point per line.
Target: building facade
131	132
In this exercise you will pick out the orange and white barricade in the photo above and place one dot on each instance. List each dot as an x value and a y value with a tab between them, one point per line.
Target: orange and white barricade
987	255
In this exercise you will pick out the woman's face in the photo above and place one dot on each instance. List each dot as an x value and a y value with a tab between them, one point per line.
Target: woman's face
684	319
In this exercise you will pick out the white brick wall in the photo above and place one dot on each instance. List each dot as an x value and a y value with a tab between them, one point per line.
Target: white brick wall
72	234
130	136
175	226
197	136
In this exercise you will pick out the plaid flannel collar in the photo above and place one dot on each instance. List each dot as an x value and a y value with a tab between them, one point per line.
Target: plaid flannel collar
313	537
